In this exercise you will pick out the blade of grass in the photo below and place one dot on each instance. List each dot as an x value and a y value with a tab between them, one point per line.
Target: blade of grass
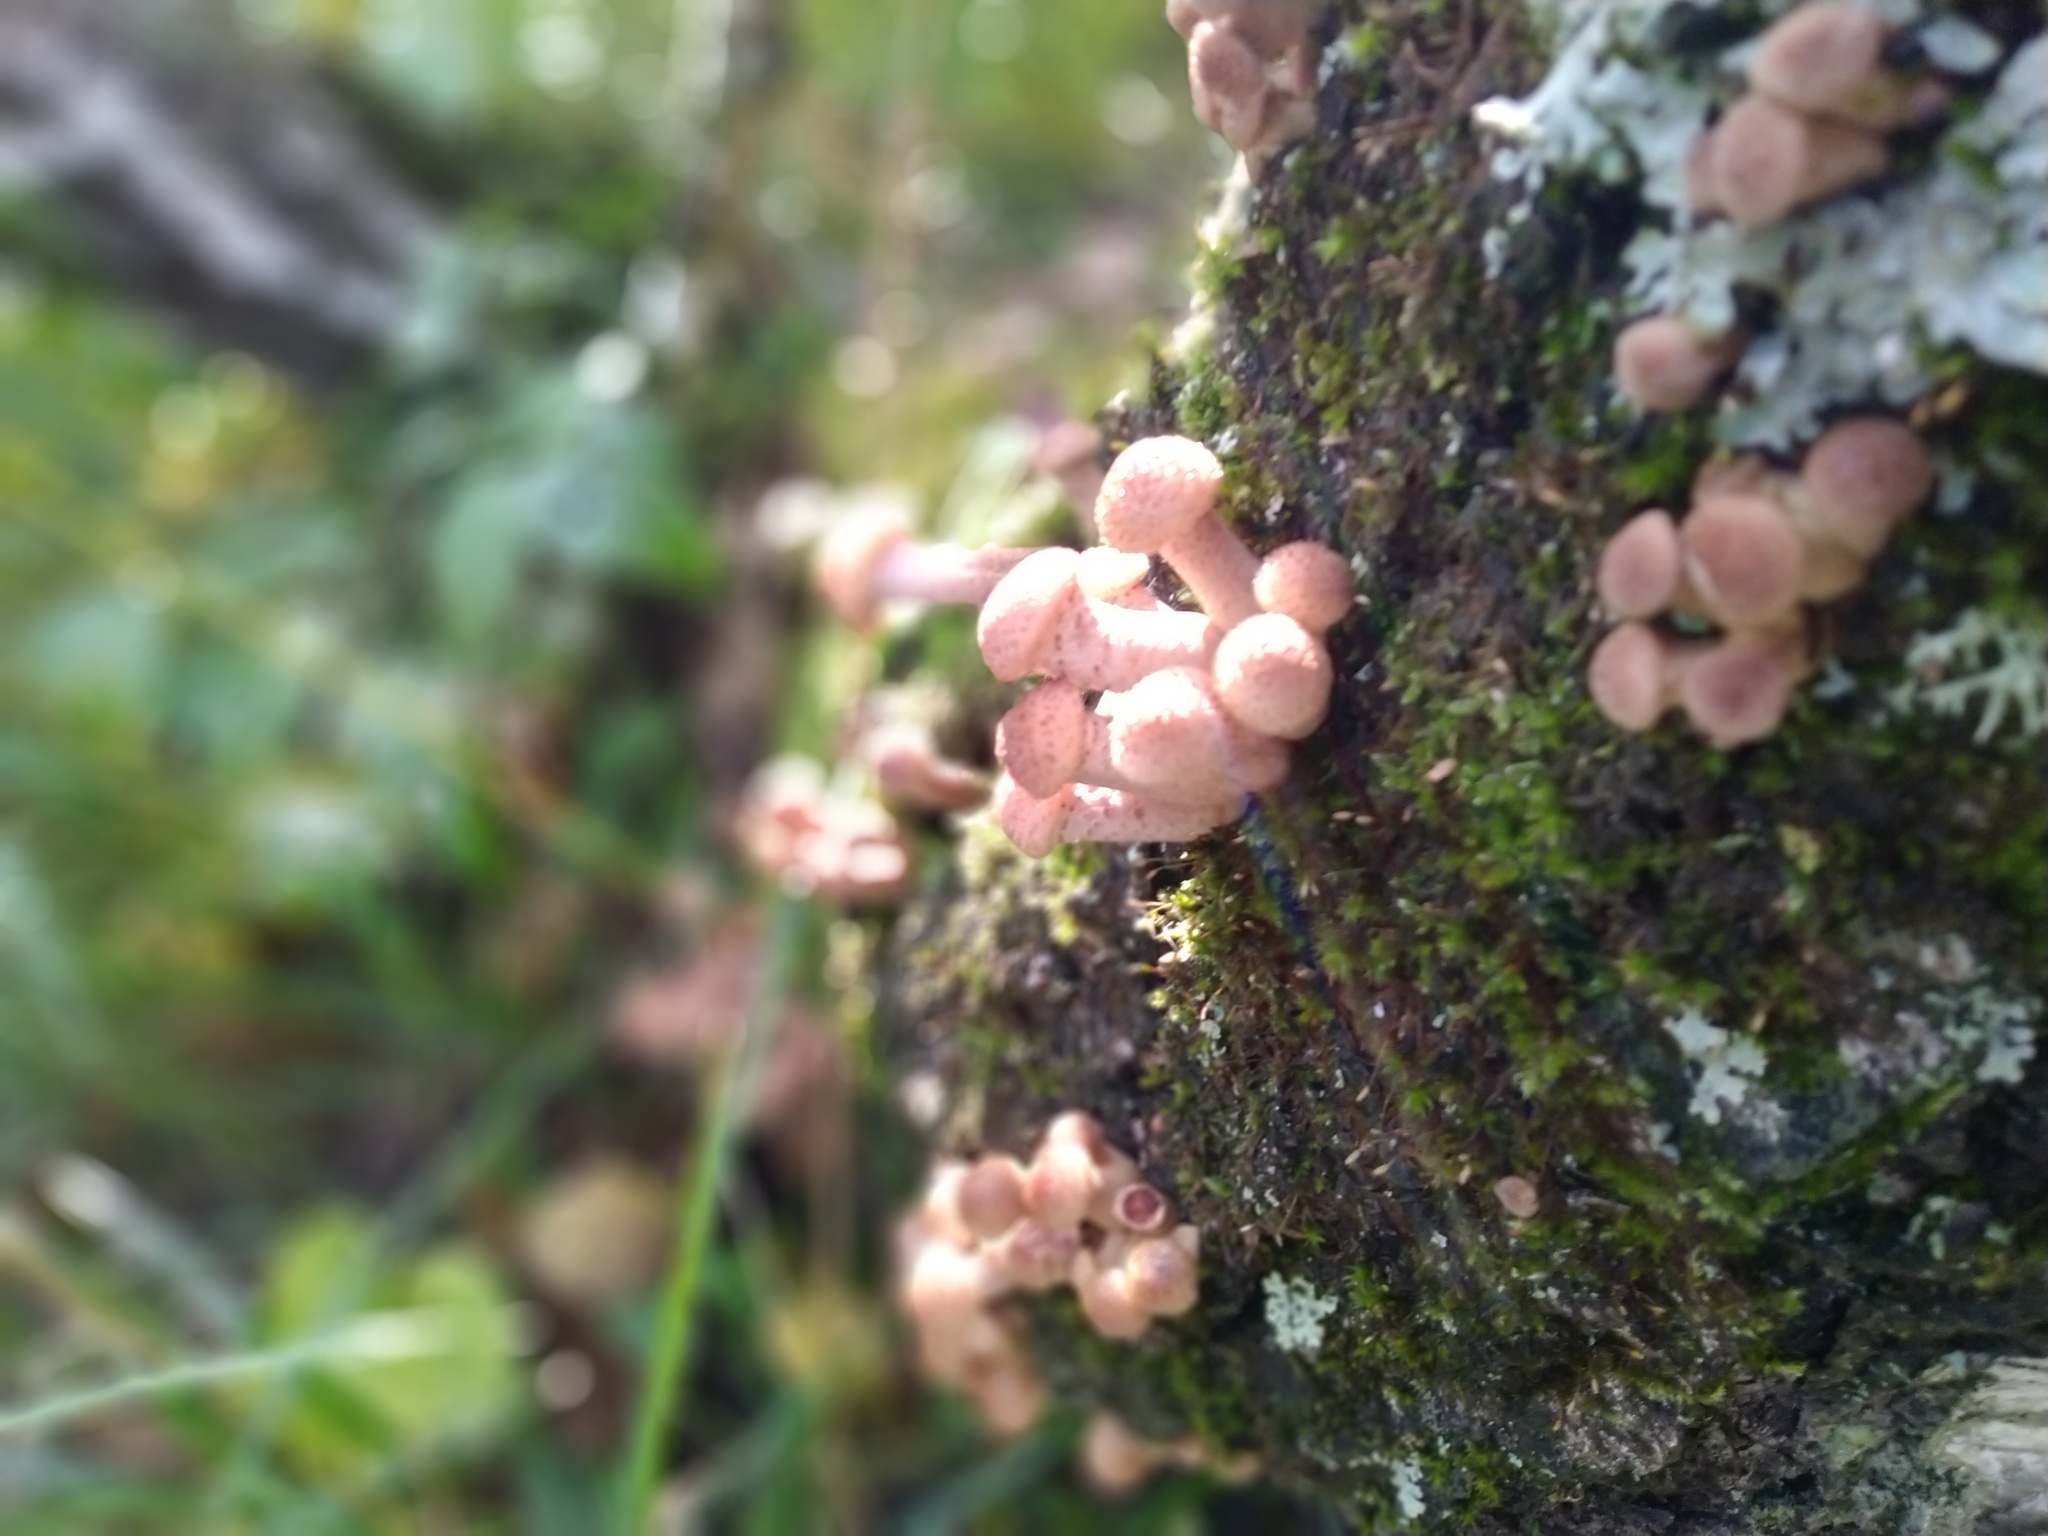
725	1100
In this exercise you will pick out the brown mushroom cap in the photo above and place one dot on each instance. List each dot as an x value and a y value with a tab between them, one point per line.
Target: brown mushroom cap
1630	675
1738	689
1662	364
1518	1197
1861	477
1307	581
1743	560
1764	160
1827	59
1155	489
1274	676
1226	83
1641	567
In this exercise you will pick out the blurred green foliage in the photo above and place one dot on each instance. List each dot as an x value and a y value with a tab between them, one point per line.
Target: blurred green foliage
347	749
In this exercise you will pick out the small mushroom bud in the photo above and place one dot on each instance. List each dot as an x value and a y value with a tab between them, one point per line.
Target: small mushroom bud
1662	364
1160	498
1861	478
1309	582
947	1285
1160	1273
1635	673
1227	82
1827	60
1642	567
1079	1128
1274	676
1764	160
990	1196
1170	735
1517	1196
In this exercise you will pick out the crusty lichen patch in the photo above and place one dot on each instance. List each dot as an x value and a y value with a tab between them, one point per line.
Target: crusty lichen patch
1447	950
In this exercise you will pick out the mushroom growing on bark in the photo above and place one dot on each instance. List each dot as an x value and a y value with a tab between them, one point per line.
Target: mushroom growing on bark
868	562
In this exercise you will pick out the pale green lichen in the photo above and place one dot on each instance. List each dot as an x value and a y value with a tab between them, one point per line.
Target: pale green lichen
1992	664
1295	1311
1729	1065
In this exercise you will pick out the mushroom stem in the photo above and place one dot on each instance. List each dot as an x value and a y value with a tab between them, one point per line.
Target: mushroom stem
1039	619
944	573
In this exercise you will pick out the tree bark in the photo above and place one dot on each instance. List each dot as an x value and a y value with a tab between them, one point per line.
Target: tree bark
1801	1298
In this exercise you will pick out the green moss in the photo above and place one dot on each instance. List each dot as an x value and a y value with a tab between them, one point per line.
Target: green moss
1443	953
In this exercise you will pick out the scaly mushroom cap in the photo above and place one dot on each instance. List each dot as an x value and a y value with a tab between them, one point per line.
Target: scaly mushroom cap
1159	1276
1274	676
1739	688
1044	737
1766	160
1171	735
1034	823
1307	581
1641	567
1662	364
1827	60
844	567
1157	488
1628	676
1861	477
1021	615
990	1197
1743	558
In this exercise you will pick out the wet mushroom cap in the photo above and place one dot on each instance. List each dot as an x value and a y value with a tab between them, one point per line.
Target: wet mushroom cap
1155	490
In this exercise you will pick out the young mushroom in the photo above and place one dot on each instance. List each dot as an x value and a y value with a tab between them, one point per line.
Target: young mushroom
1828	60
1088	813
1168	734
1160	498
1274	676
1038	619
867	562
1734	689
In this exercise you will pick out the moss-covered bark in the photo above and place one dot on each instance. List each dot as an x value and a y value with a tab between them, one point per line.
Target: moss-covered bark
1449	949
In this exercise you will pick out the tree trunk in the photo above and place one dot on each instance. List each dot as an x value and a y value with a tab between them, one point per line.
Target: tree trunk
1785	1278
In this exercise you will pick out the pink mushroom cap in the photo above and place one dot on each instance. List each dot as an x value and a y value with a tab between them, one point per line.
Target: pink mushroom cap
1307	581
1022	613
1744	559
1156	489
1641	567
1043	738
1171	734
1274	676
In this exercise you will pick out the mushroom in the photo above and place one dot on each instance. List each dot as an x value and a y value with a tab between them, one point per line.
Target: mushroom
868	561
1642	568
1828	60
820	843
1069	453
1037	1257
1663	364
1142	1209
1517	1196
1251	69
1743	561
1274	676
1762	160
1103	1287
1114	1460
1307	581
990	1196
1039	620
909	770
1734	689
1088	813
1160	498
1160	1273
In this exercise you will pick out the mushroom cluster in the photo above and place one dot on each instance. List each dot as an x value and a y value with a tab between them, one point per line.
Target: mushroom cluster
1116	1460
1251	70
1821	98
1196	709
818	841
1756	546
1077	1214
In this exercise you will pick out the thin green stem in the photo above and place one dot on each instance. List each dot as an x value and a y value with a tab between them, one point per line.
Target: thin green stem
668	1363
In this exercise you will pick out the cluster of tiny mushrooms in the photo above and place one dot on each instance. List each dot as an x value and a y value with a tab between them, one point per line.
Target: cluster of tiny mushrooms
1078	1214
1760	542
1193	712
